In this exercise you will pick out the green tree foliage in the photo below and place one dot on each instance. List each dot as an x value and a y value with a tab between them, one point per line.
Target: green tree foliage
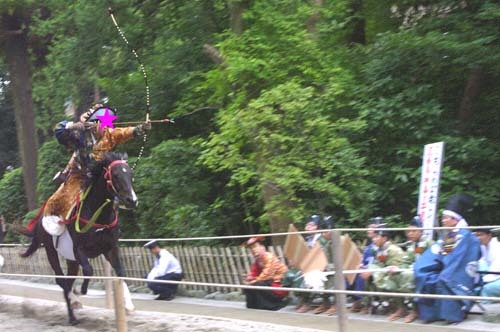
12	199
316	106
284	120
174	193
415	84
52	159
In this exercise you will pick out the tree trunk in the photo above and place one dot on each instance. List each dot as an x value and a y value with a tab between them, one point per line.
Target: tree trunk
15	48
275	203
313	20
236	9
356	35
471	92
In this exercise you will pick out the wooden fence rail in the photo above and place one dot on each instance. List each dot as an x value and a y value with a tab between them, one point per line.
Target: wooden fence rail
200	264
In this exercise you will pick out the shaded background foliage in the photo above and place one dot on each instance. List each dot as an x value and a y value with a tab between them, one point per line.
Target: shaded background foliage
284	108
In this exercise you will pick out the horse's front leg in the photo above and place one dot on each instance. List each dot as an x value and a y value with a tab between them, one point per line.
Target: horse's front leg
87	269
113	257
63	283
73	268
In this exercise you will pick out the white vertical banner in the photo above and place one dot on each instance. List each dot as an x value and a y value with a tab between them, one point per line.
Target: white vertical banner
432	162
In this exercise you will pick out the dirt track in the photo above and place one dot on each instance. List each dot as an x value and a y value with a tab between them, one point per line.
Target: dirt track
30	307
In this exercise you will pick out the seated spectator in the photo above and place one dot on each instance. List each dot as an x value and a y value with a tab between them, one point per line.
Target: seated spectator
305	302
441	270
490	261
390	257
416	246
266	270
360	303
166	267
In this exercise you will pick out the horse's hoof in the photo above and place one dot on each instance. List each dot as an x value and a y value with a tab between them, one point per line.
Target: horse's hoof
74	322
76	305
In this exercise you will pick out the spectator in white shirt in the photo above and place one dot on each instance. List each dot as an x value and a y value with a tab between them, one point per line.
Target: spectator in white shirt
490	261
166	267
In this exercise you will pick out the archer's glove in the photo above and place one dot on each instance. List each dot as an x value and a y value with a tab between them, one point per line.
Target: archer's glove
142	128
75	126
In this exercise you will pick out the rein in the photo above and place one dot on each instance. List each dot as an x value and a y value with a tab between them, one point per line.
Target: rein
91	223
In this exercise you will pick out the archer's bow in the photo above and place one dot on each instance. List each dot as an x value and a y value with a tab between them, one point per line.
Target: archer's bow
143	70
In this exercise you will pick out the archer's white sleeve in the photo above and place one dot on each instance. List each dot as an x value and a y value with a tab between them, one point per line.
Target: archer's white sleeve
494	260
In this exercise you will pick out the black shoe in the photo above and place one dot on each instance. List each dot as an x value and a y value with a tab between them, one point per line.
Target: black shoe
163	297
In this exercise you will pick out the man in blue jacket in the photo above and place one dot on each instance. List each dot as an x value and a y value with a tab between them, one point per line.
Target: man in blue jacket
442	269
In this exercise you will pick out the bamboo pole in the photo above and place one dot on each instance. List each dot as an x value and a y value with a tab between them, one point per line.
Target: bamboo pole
225	270
191	271
213	266
121	318
239	265
199	264
246	259
181	256
234	274
206	264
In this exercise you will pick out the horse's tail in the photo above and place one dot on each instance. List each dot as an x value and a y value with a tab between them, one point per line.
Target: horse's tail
32	231
36	241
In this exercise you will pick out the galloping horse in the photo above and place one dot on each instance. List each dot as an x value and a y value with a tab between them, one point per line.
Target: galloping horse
112	177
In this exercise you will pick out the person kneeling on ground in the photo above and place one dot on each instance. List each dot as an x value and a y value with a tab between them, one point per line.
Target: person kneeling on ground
166	267
266	270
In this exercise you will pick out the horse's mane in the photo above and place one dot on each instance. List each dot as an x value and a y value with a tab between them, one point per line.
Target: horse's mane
96	168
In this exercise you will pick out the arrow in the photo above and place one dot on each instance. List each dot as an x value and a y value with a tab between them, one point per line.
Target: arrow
139	122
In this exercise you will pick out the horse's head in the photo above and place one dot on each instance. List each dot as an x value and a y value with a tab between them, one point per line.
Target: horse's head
118	175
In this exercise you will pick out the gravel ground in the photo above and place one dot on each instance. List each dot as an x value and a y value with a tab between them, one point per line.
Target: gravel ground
29	315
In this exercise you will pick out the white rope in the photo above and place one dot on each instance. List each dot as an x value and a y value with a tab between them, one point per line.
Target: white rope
291	289
368	270
301	232
229	237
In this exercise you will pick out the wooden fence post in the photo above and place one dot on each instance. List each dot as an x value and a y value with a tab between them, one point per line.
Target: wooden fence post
121	318
339	281
108	284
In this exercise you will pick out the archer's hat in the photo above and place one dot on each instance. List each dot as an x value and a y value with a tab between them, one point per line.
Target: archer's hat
484	230
458	205
327	223
151	244
376	221
95	111
382	232
315	219
416	221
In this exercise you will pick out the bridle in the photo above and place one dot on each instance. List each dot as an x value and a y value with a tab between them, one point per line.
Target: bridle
108	175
